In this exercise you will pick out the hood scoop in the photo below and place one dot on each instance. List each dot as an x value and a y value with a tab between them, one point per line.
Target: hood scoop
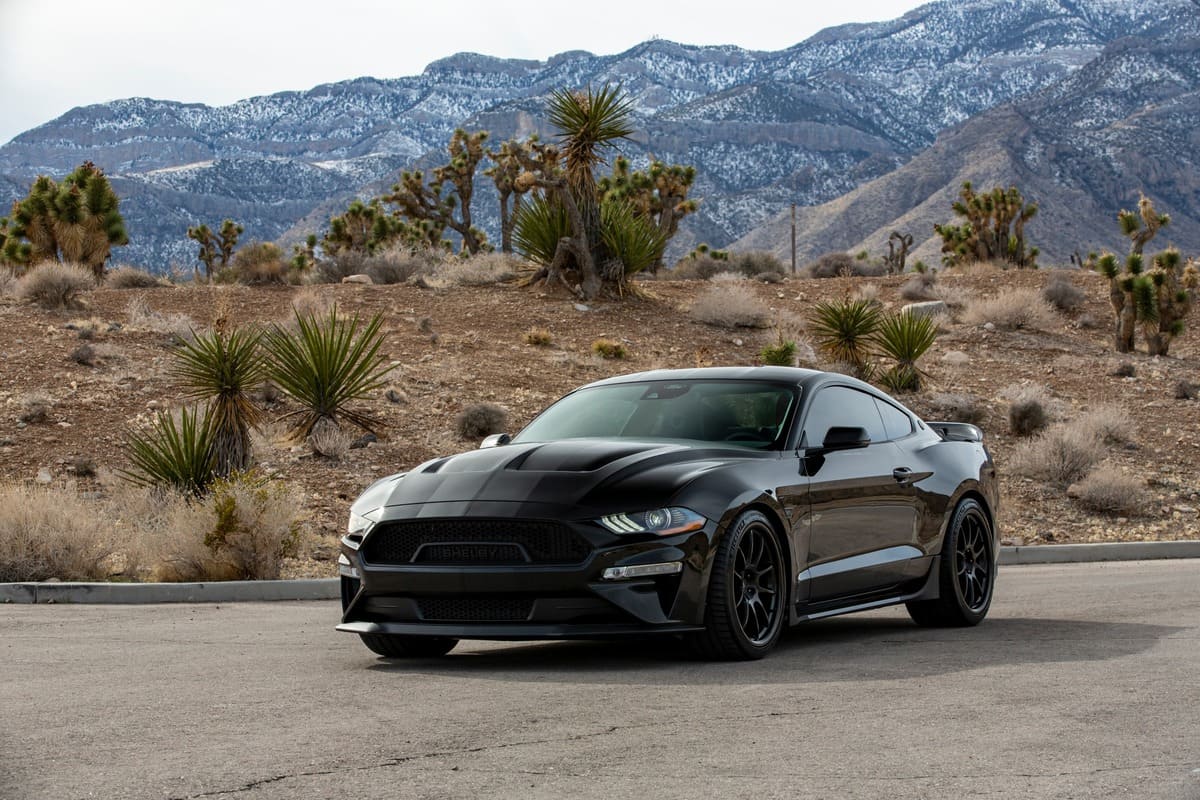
577	455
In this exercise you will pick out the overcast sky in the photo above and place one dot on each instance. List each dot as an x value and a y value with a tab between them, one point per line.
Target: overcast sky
58	54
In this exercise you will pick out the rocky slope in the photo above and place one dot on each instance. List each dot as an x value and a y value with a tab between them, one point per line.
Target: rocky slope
807	124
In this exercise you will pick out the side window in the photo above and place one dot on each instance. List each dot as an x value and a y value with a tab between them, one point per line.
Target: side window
895	422
839	406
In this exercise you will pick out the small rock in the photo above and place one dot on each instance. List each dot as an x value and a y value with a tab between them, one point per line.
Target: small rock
988	326
396	396
1073	490
956	358
1012	541
363	441
6	442
581	307
1185	509
738	342
44	476
363	279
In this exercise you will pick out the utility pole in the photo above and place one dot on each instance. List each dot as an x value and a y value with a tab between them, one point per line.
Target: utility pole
793	238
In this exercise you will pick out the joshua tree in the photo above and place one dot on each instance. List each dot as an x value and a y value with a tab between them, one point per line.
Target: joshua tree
505	171
569	228
1157	299
896	258
420	203
993	228
361	228
660	194
76	220
304	257
216	248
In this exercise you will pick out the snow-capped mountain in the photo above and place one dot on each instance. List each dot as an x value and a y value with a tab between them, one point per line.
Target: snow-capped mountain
807	125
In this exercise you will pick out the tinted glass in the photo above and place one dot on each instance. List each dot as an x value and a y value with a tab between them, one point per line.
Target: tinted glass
841	407
895	422
734	412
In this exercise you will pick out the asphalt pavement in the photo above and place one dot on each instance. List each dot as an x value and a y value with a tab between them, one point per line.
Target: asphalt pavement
1082	683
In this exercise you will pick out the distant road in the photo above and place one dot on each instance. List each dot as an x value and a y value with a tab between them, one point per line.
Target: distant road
1083	683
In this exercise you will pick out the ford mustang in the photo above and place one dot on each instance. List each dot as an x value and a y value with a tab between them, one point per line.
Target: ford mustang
717	505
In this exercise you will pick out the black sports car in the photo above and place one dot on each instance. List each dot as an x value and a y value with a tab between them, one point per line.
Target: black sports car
716	504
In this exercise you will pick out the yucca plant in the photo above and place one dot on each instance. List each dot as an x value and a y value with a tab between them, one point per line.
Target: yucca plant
904	338
540	224
844	331
630	238
325	365
172	454
222	369
780	354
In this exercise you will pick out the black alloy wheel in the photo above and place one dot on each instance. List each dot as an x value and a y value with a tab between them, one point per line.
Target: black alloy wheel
747	593
967	572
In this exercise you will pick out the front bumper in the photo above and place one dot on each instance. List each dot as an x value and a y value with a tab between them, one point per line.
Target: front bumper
533	601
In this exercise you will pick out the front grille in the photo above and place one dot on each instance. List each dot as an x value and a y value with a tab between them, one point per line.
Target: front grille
475	609
474	541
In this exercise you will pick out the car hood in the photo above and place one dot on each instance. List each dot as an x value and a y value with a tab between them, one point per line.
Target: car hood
584	475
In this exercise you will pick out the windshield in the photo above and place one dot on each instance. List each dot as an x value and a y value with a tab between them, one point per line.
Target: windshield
742	413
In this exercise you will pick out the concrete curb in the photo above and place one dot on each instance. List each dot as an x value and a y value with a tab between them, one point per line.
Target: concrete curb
328	589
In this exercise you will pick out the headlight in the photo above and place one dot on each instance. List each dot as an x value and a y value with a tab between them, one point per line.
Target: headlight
357	528
660	521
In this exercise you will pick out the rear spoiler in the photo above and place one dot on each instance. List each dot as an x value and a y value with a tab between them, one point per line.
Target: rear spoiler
956	431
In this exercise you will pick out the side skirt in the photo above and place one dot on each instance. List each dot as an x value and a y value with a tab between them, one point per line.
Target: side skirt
929	591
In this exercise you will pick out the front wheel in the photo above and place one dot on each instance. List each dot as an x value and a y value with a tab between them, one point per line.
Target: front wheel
746	608
966	574
396	646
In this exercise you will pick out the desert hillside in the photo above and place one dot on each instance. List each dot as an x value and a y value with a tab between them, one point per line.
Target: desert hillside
453	347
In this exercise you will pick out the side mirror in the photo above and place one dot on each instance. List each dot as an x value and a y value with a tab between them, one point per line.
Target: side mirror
495	440
839	438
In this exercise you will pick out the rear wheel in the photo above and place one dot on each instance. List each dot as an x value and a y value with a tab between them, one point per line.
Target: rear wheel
394	646
746	607
966	574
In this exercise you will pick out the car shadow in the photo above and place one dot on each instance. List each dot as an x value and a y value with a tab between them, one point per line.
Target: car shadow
843	649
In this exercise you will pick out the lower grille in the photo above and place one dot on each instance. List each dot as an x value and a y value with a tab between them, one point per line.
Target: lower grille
475	609
474	541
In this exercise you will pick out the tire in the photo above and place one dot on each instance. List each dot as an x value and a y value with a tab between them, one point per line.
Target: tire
395	646
966	572
747	602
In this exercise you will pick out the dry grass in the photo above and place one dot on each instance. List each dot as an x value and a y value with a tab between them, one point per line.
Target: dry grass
1061	455
53	285
1012	309
919	287
140	316
398	265
1029	410
956	298
34	408
731	305
1108	423
868	292
608	349
308	302
51	533
330	441
132	278
946	407
483	269
243	531
1062	294
1110	491
729	276
8	282
538	337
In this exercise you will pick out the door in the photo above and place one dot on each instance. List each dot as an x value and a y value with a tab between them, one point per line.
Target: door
863	515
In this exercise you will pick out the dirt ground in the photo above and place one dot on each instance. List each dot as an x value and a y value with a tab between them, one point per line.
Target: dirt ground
454	347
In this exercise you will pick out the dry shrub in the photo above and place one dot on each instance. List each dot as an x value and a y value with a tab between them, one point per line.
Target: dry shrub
1111	491
700	268
728	277
482	269
1062	294
398	264
868	292
731	305
50	533
1029	409
754	263
8	282
1012	309
843	265
255	264
919	287
1125	369
956	298
1186	390
1107	423
55	285
340	265
242	531
140	316
481	419
946	407
132	278
539	337
1061	455
607	348
328	440
84	355
308	302
34	408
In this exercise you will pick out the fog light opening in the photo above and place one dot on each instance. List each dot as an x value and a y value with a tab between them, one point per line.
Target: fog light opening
642	570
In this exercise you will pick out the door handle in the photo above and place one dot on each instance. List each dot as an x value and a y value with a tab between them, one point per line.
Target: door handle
902	475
